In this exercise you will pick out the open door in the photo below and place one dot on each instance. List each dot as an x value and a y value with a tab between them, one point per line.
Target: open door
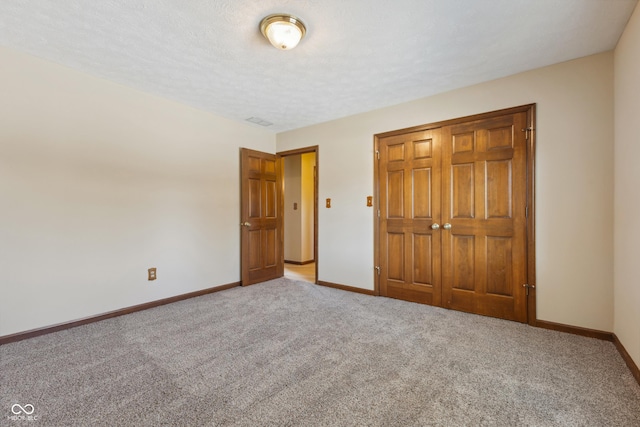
260	217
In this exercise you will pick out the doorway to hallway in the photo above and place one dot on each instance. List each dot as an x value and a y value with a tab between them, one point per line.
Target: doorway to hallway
299	206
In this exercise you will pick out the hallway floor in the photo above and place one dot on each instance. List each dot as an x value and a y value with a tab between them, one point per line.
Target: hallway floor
305	272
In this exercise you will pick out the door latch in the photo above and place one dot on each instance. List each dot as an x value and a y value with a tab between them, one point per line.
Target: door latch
528	286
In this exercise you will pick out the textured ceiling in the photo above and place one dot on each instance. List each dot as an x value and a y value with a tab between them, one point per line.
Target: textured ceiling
358	55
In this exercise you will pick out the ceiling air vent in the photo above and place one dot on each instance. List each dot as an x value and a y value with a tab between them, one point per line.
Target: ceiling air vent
259	121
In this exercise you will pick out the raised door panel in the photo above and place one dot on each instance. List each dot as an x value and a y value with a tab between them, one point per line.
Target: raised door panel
253	165
423	149
421	193
463	250
463	142
270	248
422	259
499	189
462	191
269	168
499	264
270	200
395	194
395	257
395	152
255	198
255	249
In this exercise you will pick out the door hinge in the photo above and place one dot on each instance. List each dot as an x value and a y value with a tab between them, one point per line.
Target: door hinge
527	131
526	211
528	286
377	269
378	154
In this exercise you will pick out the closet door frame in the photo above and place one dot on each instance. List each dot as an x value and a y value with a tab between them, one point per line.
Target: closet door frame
530	134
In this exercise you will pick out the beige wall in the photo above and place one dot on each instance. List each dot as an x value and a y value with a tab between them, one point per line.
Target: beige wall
99	182
627	194
292	217
574	180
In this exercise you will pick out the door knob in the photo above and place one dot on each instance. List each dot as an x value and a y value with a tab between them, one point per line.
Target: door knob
246	224
447	226
435	226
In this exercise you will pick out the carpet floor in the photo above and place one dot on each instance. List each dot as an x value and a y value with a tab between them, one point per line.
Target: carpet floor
289	353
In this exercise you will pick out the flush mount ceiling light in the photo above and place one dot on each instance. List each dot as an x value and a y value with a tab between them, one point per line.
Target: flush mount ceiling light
283	31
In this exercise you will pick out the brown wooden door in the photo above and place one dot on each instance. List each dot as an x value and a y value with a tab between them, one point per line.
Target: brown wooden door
470	178
410	194
484	263
260	218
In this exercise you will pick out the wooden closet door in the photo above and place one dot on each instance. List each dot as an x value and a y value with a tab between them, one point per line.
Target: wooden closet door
410	188
484	264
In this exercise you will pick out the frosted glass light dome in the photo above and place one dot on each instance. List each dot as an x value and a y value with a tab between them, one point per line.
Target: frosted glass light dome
283	31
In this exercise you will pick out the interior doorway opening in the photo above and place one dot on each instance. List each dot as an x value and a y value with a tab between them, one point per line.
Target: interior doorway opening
299	206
